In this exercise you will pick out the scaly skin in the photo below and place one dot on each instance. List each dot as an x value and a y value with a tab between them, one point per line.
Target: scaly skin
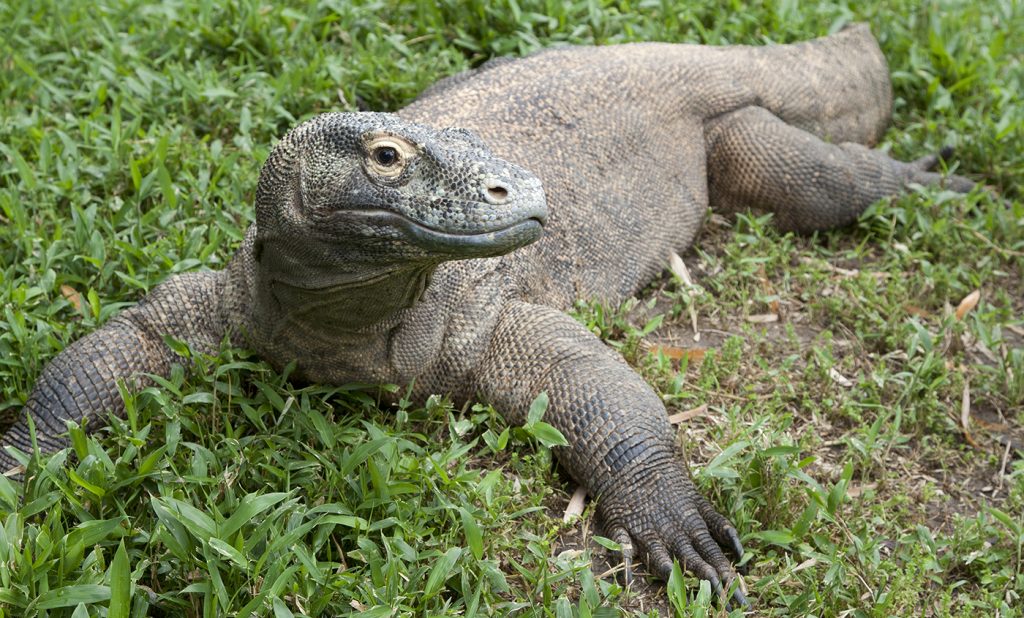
387	248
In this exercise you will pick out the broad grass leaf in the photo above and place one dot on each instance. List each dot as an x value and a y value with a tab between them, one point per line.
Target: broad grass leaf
677	590
8	495
548	435
250	506
66	596
381	611
92	532
562	608
537	409
1014	526
361	453
198	523
323	428
216	580
776	537
607	543
348	521
440	571
229	552
120	584
474	538
273	591
588	587
718	467
41	504
148	464
281	610
91	488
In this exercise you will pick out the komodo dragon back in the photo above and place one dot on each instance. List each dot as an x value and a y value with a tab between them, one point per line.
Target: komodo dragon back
619	136
395	248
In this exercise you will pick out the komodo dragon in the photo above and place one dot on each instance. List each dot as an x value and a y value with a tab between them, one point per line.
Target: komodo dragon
387	248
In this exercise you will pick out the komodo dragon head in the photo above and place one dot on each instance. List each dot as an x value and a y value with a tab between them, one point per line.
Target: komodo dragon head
367	193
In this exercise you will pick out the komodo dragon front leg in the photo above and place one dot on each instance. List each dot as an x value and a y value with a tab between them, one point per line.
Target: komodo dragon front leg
622	448
82	382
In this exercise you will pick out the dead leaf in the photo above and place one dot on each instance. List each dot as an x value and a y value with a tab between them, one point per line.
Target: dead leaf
988	426
72	295
763	318
915	310
766	286
16	470
806	564
674	353
678	268
1006	460
982	349
965	413
846	272
356	605
967	304
854	491
575	506
1002	250
839	378
682	417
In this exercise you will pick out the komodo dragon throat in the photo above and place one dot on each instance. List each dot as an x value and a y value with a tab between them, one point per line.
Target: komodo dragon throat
389	249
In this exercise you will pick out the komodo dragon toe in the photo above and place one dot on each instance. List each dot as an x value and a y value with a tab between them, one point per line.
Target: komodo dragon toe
394	248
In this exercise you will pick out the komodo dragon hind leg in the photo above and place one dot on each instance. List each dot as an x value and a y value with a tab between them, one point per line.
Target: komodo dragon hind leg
757	160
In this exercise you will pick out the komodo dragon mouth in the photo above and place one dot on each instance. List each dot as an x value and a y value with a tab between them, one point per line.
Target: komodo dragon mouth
468	243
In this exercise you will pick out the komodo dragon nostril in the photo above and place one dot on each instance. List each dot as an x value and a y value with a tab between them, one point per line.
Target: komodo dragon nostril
496	193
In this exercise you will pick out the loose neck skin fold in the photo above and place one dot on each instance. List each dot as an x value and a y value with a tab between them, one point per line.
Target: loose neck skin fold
335	296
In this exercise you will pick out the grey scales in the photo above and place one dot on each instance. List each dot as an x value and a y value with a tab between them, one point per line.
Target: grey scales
441	246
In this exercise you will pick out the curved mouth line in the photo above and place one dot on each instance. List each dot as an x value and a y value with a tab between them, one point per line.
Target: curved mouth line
417	228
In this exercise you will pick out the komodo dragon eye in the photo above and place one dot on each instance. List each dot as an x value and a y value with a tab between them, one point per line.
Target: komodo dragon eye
385	155
388	155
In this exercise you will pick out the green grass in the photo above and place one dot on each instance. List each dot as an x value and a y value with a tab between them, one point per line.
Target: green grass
130	142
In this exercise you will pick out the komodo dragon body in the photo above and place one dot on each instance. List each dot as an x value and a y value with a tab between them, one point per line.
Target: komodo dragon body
388	248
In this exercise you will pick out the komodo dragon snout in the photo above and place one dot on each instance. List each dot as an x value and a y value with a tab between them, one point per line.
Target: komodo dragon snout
396	190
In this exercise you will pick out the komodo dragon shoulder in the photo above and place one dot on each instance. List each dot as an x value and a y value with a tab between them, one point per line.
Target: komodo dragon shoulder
394	247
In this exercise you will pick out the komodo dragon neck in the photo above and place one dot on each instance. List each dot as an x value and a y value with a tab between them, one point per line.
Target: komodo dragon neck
346	300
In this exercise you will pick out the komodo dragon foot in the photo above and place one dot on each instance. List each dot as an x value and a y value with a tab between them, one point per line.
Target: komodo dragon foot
669	520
